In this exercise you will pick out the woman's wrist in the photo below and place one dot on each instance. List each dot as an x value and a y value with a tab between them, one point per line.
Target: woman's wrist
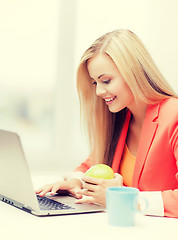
75	176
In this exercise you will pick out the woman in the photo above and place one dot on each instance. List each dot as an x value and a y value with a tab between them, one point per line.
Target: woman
131	114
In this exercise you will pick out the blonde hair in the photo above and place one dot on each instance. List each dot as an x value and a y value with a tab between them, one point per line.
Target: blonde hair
138	70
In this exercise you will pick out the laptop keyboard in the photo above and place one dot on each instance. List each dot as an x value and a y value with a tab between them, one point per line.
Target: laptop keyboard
50	204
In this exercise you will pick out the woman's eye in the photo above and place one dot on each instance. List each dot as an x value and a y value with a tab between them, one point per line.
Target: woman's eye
94	83
107	81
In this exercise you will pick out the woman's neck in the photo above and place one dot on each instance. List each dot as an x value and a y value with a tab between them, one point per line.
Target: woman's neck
138	110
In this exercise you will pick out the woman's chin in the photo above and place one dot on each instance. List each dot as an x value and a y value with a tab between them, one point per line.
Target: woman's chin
114	109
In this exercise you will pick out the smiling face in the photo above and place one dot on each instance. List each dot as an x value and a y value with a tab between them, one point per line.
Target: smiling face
109	83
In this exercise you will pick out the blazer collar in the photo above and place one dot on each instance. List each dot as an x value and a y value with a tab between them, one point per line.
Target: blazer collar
147	134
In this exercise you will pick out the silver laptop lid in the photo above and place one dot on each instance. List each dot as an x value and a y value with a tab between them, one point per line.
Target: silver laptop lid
15	181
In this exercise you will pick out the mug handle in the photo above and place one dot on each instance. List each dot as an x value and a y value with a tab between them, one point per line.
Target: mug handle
136	205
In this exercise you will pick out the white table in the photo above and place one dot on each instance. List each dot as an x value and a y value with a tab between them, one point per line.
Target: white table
16	224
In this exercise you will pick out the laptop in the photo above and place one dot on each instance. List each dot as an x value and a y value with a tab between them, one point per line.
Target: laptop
16	186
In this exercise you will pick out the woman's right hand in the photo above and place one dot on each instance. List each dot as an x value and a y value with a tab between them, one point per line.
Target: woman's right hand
72	186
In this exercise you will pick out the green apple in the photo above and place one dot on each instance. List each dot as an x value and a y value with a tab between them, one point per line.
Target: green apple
100	171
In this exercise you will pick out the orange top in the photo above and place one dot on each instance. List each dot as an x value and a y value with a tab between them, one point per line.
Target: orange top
127	166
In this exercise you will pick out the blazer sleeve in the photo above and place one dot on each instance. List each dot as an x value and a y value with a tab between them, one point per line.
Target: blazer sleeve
84	166
170	201
170	197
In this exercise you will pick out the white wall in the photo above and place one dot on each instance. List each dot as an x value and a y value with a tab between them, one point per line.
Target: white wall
28	43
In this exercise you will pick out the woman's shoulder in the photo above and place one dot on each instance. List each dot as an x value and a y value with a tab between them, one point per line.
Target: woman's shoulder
169	104
169	110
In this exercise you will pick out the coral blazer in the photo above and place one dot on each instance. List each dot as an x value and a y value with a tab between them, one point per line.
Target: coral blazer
156	167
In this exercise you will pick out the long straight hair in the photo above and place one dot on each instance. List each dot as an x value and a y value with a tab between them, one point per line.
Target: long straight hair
142	76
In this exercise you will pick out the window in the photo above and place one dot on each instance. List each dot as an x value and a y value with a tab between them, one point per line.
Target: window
37	81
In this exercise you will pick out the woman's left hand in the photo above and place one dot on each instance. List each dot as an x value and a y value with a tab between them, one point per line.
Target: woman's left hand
95	189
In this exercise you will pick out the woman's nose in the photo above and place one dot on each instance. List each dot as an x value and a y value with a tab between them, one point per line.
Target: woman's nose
100	90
